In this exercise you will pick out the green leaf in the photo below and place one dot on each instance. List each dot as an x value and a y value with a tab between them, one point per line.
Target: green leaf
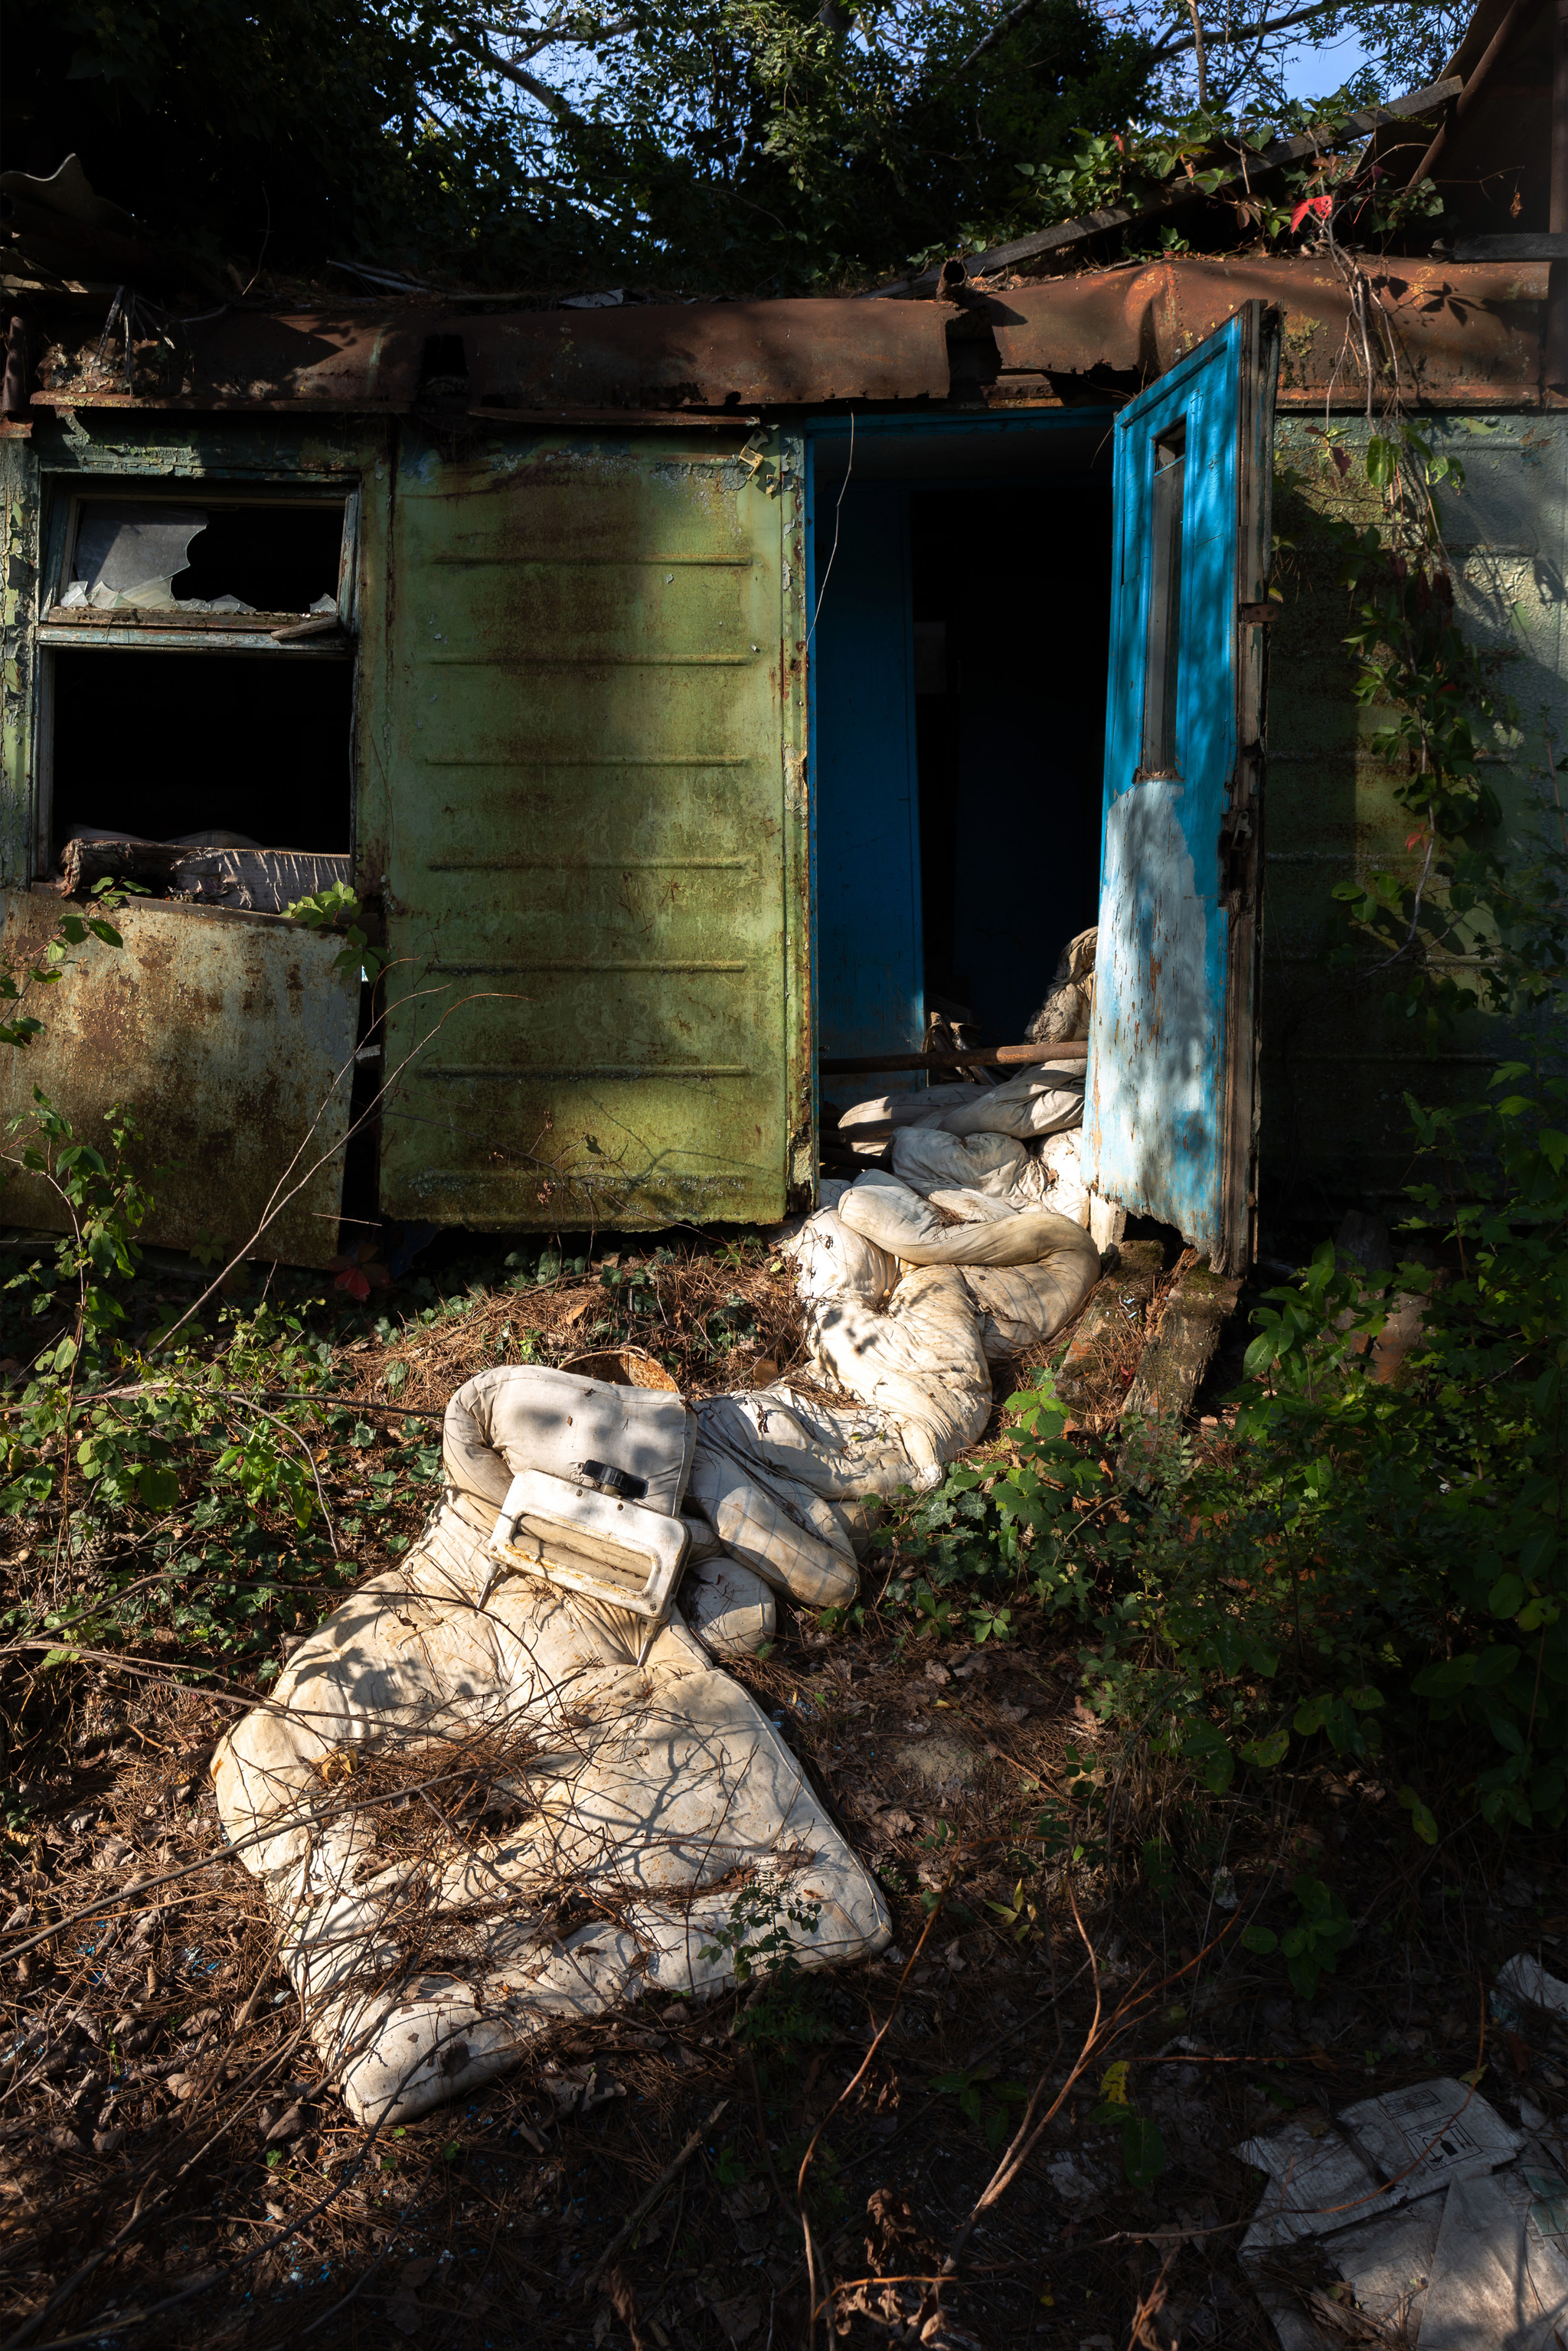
1506	1597
1422	1820
1143	2151
1260	1938
1265	1753
1158	1869
1381	461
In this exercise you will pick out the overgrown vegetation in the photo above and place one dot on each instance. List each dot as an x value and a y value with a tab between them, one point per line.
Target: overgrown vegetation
745	146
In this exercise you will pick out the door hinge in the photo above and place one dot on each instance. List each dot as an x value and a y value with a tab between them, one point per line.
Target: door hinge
1254	616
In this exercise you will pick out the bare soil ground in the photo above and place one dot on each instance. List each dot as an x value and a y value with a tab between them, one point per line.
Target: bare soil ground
173	2171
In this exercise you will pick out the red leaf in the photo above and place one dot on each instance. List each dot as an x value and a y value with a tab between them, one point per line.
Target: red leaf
1342	459
354	1282
1320	205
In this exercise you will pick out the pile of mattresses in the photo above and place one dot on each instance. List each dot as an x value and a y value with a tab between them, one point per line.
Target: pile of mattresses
597	1554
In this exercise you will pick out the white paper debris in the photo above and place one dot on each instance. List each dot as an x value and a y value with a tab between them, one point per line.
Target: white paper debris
1524	1979
1449	2229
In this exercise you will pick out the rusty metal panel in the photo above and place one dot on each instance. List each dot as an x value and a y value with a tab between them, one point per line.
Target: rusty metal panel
1455	334
645	355
314	358
705	354
230	1038
1170	1108
596	873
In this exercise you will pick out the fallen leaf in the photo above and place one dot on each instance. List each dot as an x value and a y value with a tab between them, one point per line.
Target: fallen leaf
414	2273
739	2319
404	2312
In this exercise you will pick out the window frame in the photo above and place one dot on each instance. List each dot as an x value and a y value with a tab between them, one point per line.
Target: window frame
64	497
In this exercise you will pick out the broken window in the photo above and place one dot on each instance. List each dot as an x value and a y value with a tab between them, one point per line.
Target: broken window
197	710
1162	673
149	555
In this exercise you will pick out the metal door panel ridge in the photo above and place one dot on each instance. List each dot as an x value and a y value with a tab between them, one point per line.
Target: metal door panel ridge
1171	1114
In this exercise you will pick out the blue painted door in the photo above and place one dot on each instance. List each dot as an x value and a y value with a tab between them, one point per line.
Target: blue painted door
1171	1116
869	975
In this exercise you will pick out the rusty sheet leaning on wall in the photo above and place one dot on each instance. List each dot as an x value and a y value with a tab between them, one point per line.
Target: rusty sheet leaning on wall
230	1036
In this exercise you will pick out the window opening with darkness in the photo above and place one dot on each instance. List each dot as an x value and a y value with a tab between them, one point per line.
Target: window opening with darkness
196	735
159	559
1162	653
225	750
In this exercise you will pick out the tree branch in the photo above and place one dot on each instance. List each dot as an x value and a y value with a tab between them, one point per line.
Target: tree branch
1175	41
998	32
561	107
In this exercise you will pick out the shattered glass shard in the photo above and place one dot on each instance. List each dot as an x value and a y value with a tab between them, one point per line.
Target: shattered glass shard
131	554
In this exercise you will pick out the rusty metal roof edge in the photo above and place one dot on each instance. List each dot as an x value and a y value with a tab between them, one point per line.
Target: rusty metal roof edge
611	353
217	402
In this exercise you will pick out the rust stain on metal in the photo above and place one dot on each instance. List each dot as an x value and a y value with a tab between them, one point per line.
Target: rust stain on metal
706	354
1463	333
230	1041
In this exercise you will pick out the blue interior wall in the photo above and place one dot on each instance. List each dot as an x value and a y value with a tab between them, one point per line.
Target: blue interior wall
870	984
955	839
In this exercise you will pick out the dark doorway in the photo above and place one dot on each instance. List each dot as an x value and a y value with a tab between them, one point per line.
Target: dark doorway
1011	596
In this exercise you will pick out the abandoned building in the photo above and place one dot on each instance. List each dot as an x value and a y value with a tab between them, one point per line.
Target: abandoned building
695	694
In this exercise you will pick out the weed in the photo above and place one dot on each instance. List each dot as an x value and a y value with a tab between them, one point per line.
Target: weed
765	1919
1143	2148
1311	1947
983	2098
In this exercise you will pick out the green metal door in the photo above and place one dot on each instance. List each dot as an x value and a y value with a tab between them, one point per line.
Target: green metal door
596	877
